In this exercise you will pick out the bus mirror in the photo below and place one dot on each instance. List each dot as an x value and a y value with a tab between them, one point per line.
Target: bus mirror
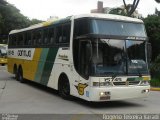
149	52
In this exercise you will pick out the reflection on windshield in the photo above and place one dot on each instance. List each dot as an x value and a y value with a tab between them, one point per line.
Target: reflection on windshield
118	57
108	57
136	56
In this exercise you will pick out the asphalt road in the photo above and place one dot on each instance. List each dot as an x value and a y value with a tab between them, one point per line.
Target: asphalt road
30	98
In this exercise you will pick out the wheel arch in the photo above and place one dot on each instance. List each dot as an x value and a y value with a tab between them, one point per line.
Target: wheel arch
15	68
63	77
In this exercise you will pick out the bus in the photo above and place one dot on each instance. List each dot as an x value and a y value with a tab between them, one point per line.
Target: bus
95	57
3	54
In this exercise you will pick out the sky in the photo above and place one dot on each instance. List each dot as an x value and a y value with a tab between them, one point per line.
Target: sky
43	9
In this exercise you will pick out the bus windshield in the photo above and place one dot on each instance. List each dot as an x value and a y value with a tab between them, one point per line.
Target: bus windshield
118	28
118	47
112	56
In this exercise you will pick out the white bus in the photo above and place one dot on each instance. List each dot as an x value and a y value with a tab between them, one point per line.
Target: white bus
96	57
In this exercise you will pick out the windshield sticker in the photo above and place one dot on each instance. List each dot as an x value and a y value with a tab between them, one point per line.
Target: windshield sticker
134	61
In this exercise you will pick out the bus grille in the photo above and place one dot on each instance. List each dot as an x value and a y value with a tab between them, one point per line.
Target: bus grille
126	83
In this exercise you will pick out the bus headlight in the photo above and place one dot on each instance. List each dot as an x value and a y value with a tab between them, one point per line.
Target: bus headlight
144	83
102	84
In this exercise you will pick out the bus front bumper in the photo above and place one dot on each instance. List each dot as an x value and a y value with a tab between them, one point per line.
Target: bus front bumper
118	93
3	61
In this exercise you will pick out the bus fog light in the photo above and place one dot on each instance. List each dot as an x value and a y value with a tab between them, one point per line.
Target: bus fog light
145	91
104	93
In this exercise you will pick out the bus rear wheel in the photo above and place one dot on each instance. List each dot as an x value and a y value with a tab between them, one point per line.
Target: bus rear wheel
64	88
20	75
15	71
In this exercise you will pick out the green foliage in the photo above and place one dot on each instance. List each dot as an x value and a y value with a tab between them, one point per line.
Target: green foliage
155	82
158	1
118	11
35	21
152	24
11	18
155	68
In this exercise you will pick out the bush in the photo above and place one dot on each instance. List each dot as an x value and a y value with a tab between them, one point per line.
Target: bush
155	68
155	82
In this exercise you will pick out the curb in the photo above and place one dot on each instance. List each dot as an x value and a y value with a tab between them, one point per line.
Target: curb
154	89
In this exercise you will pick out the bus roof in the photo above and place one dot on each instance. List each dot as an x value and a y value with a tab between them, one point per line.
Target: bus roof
92	15
109	17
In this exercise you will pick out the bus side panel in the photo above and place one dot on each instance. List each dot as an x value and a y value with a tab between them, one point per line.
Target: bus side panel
30	67
48	65
41	65
10	65
61	65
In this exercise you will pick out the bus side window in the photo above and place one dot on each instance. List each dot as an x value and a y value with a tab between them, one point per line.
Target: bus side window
58	34
34	38
66	33
51	36
25	39
29	38
20	39
39	37
12	40
45	36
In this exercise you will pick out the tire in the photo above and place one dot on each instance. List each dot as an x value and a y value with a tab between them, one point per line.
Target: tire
64	88
20	75
15	73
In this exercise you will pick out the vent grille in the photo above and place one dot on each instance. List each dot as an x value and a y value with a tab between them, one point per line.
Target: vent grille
126	83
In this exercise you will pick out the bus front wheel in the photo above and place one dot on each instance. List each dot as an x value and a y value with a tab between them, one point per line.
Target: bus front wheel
64	87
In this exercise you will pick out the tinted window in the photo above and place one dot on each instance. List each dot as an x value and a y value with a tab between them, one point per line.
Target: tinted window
81	27
45	36
20	39
39	37
66	33
51	38
12	40
58	34
106	27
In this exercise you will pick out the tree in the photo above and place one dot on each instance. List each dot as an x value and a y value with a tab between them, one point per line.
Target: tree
157	12
122	11
152	24
158	1
118	11
35	21
11	18
131	7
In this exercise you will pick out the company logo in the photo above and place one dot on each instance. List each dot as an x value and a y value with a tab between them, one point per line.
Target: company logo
63	57
81	87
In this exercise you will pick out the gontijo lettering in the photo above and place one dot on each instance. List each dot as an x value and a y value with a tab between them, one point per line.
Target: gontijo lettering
26	53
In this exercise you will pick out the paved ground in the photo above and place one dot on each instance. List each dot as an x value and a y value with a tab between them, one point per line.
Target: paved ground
30	98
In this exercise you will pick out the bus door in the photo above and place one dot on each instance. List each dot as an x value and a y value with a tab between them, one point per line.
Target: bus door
84	57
